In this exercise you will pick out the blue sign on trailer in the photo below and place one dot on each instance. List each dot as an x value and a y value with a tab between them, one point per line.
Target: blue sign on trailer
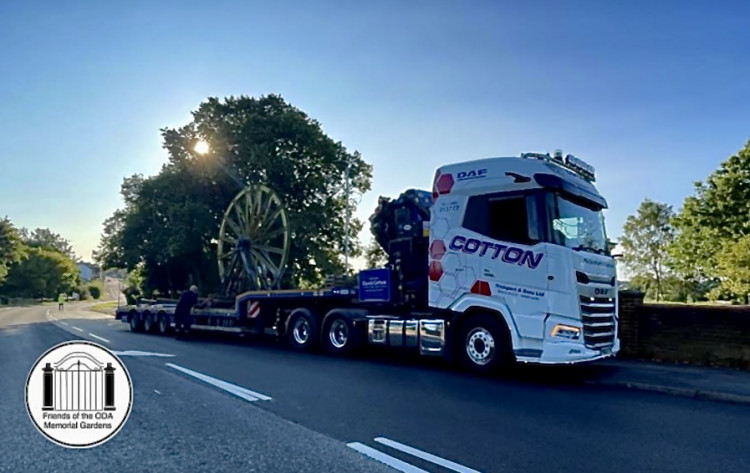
375	285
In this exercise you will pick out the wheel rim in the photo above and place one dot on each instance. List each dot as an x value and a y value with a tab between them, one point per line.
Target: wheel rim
339	333
133	321
254	241
162	324
480	346
147	322
301	331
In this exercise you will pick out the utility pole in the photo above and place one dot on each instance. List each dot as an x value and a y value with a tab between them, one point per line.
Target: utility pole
348	216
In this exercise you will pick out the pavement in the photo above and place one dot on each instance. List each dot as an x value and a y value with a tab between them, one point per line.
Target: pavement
315	413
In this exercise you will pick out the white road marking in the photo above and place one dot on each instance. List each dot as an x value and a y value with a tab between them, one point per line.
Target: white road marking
425	456
99	338
157	392
76	328
393	462
141	353
64	323
238	391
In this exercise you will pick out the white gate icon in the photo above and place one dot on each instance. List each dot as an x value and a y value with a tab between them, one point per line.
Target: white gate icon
78	382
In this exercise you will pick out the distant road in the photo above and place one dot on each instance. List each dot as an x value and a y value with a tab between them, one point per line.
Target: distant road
239	406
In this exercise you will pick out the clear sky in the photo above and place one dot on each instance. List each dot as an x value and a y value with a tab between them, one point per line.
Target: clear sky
654	94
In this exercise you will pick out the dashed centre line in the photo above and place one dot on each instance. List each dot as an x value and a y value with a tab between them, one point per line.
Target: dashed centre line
99	338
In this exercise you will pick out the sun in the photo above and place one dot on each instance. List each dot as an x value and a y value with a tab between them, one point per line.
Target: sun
201	147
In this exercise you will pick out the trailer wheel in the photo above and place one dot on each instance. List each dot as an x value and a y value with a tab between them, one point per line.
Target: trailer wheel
163	324
484	344
339	336
135	322
302	330
148	322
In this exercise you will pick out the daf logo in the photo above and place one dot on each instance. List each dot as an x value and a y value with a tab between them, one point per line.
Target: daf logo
473	174
601	292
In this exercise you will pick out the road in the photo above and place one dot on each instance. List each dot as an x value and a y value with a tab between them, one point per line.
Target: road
317	413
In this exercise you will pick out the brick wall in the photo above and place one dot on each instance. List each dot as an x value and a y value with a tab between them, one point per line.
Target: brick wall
715	335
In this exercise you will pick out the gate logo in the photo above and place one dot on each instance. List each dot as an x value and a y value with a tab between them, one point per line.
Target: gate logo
79	394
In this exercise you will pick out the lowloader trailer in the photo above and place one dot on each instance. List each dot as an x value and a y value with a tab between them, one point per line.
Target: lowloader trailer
506	260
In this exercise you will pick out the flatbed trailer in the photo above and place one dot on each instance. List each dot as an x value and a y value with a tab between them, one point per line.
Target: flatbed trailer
506	260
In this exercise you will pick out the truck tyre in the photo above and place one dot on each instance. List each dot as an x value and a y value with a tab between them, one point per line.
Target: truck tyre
339	336
484	345
135	322
148	322
163	324
302	330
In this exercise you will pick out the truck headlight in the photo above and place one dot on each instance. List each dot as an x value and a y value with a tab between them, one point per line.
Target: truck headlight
566	331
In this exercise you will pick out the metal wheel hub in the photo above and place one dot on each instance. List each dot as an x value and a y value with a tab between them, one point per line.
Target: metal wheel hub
301	331
339	333
480	346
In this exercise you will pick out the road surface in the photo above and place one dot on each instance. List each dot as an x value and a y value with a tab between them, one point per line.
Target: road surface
319	413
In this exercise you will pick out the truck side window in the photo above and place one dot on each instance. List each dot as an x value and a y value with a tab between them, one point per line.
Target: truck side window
504	219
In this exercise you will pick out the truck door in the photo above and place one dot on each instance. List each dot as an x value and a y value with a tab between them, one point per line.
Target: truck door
514	262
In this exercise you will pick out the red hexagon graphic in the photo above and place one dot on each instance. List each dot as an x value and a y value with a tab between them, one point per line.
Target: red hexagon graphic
436	270
443	185
437	249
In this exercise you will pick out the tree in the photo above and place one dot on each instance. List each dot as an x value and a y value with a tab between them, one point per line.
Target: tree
170	220
375	256
733	267
47	239
12	249
43	273
647	236
718	214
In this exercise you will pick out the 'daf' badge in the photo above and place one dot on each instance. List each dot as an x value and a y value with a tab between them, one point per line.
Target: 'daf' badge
79	394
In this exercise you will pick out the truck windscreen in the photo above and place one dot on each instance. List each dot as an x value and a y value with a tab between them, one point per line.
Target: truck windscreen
578	225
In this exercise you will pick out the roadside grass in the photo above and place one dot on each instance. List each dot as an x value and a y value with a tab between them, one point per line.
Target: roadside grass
105	307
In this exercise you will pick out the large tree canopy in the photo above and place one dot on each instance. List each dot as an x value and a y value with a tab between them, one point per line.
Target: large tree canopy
716	217
169	220
645	240
47	239
42	273
11	247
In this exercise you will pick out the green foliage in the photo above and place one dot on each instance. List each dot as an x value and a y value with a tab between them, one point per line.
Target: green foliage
733	267
375	256
49	240
12	249
43	273
646	238
95	288
711	222
169	220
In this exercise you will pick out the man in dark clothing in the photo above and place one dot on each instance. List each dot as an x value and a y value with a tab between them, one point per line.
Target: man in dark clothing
182	317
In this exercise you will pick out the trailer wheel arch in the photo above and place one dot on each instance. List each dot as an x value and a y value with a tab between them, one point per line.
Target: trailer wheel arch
356	335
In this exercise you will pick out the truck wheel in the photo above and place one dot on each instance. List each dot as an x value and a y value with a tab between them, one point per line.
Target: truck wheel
163	324
135	322
339	337
303	330
484	345
148	323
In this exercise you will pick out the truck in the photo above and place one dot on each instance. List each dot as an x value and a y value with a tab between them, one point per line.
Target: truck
506	260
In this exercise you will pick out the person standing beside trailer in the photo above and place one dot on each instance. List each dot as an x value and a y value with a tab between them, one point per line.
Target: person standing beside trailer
188	299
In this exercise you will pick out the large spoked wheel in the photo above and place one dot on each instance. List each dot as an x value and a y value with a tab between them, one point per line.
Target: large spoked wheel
302	330
484	345
254	241
339	336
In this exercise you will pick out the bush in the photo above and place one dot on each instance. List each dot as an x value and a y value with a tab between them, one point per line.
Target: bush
96	289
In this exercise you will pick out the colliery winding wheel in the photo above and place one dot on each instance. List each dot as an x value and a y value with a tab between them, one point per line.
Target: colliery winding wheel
254	241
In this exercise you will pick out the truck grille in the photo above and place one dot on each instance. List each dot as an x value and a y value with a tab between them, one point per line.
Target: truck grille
598	316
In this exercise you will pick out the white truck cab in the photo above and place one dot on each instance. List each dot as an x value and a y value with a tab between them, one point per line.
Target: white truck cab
524	238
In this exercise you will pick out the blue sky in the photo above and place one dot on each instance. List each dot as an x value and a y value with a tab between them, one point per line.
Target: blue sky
653	94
